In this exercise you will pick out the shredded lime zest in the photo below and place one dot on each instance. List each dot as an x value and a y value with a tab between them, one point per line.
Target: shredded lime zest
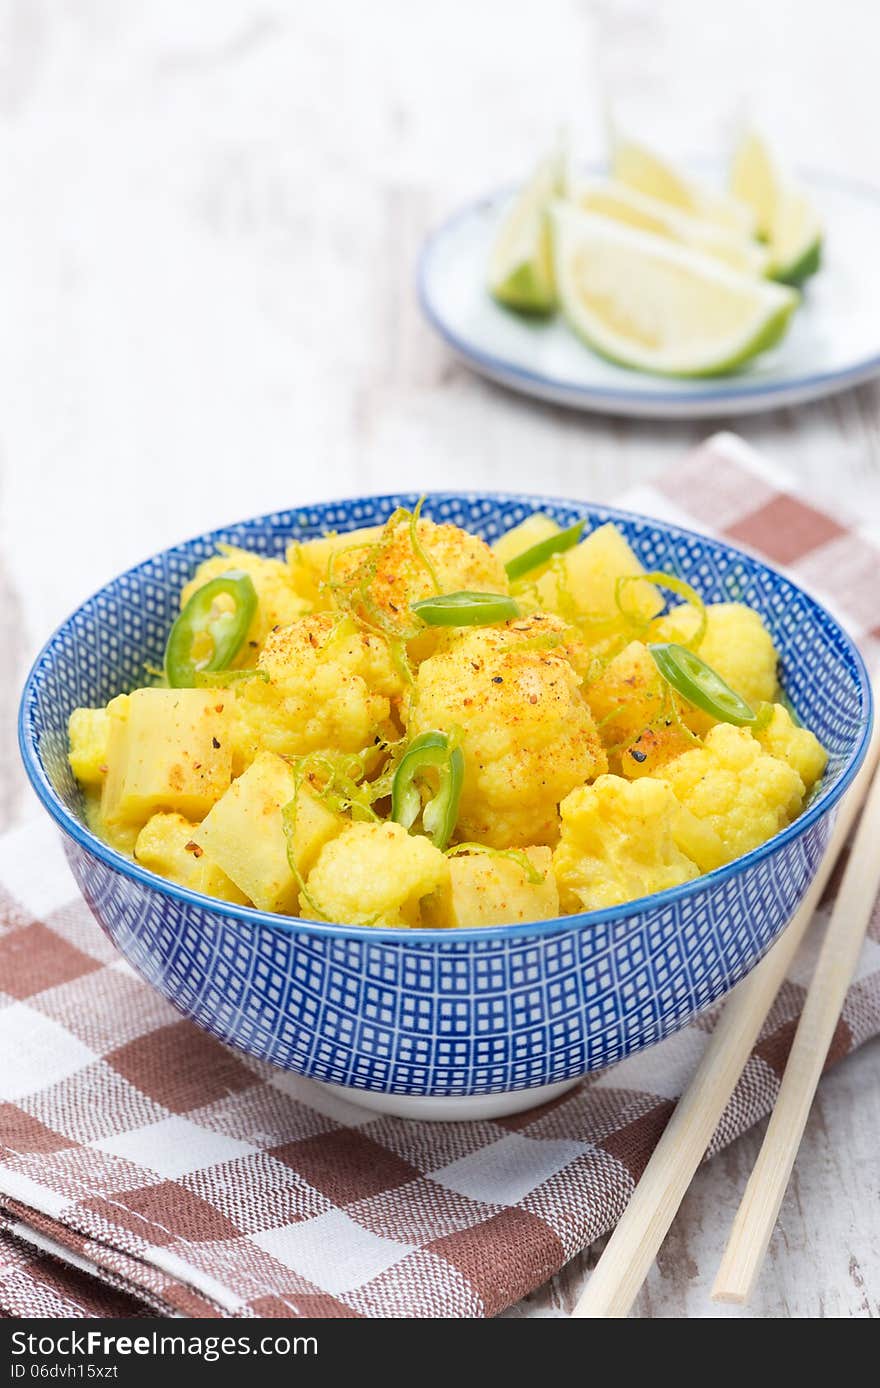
609	718
380	788
356	600
288	824
674	584
547	641
591	627
339	779
670	708
222	679
516	855
683	728
668	713
418	548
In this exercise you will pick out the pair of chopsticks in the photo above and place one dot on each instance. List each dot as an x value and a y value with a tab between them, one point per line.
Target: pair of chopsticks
630	1252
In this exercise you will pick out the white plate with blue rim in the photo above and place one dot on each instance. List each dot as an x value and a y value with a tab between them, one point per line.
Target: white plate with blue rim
832	344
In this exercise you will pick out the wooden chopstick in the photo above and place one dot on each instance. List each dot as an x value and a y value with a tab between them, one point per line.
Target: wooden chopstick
756	1217
627	1258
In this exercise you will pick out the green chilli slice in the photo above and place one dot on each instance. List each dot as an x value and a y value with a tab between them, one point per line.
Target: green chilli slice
690	676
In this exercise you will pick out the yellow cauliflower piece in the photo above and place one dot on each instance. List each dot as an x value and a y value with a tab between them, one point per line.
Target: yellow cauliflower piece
618	844
388	576
166	846
736	644
278	604
376	874
88	730
330	687
799	747
736	791
526	731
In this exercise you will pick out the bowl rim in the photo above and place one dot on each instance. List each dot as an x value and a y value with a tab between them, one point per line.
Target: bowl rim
81	835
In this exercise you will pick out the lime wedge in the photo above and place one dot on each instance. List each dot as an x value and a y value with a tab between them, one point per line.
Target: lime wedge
754	180
521	259
795	238
648	173
783	213
626	204
654	306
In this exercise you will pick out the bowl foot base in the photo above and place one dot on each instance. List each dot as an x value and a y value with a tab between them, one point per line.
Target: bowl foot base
451	1108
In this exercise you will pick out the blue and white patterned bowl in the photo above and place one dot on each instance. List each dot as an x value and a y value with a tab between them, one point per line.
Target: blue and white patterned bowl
416	1022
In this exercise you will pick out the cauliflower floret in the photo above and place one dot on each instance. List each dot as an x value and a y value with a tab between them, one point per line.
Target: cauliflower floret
278	601
165	845
739	794
736	644
89	733
618	844
330	686
799	747
376	874
526	731
388	576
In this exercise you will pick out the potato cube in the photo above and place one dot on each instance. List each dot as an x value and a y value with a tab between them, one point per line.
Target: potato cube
244	833
166	846
488	889
648	753
88	731
167	749
627	696
589	578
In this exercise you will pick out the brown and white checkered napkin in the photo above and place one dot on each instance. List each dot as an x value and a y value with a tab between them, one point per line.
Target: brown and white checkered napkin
146	1168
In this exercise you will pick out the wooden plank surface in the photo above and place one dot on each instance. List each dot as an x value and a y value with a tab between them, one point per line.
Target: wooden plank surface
209	224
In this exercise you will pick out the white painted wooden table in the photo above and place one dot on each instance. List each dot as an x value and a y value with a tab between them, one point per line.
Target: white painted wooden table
209	216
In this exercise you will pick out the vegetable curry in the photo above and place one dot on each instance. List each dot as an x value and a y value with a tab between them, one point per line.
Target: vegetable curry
405	726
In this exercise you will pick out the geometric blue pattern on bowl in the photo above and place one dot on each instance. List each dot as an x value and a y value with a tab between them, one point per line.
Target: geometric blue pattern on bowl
437	1012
